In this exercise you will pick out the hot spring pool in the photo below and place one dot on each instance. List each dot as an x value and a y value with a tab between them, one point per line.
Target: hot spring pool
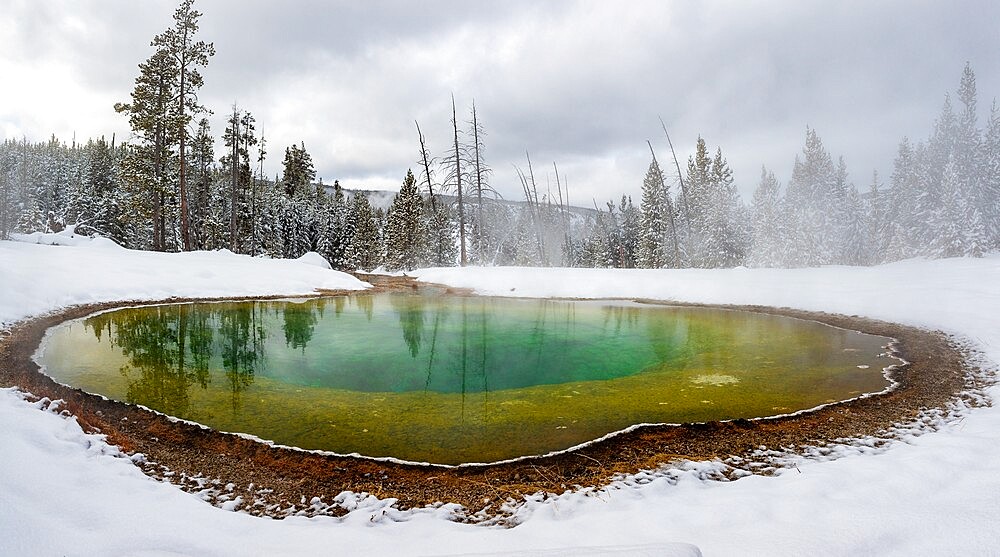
443	379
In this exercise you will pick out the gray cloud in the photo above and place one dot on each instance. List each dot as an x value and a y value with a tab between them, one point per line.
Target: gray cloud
581	83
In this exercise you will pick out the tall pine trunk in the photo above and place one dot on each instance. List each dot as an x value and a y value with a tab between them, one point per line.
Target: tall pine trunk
234	166
182	132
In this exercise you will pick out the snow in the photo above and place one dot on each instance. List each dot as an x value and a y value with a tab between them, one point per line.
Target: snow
67	237
66	492
37	278
315	259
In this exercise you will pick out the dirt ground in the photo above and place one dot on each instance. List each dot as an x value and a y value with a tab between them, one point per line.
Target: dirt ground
279	481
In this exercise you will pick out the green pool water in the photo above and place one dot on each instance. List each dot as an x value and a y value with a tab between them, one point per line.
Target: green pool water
447	380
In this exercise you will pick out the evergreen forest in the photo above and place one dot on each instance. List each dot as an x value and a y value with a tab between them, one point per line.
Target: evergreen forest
166	188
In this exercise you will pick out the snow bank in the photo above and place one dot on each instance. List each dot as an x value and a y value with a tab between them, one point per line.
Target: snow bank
38	278
67	237
315	259
65	492
956	294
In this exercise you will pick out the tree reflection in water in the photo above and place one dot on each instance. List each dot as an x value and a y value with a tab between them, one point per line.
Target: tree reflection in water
157	345
170	349
299	323
366	302
242	346
411	320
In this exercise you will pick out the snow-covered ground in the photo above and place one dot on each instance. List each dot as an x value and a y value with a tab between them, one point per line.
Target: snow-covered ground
63	492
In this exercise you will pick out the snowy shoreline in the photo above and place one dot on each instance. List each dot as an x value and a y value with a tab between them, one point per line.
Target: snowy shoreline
904	500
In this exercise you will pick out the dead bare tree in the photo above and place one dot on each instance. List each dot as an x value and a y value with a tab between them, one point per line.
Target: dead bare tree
680	177
563	217
458	182
542	260
425	161
482	172
533	209
439	238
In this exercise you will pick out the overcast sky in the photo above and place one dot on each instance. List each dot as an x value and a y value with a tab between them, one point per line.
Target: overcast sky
578	83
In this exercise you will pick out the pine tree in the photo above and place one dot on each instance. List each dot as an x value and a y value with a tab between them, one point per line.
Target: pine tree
855	243
202	155
338	236
595	248
769	234
630	230
440	232
311	211
147	165
929	219
839	217
902	232
8	197
186	55
723	237
96	206
990	177
876	216
966	140
239	138
367	243
809	197
650	253
952	238
405	240
699	197
298	171
968	160
271	218
261	223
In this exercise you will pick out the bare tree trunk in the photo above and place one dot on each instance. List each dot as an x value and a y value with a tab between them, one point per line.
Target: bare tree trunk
569	231
538	216
680	177
527	196
479	185
458	180
427	167
438	248
562	214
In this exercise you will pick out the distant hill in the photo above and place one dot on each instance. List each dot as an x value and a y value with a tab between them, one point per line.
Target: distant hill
382	199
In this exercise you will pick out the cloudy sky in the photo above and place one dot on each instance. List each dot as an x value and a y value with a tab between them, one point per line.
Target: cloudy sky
578	83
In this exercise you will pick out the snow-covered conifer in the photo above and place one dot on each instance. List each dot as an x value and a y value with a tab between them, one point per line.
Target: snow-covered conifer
405	231
768	243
